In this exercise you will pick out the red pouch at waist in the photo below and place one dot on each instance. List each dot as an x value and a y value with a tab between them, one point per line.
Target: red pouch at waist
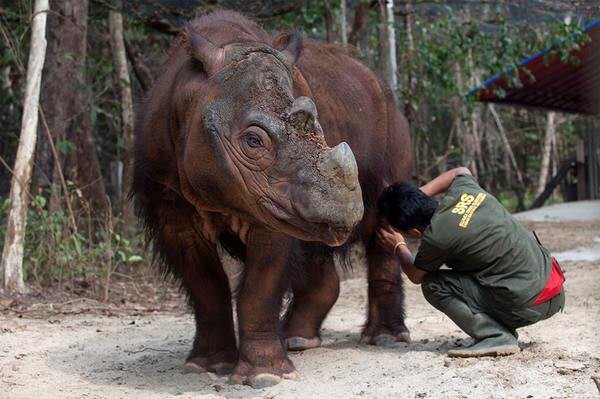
553	285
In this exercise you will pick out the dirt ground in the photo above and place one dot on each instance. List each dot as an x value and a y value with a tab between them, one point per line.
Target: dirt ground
80	348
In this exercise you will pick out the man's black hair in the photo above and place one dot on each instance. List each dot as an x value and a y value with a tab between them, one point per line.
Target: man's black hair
406	207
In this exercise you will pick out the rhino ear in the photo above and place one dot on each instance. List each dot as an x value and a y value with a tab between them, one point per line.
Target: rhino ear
200	48
291	46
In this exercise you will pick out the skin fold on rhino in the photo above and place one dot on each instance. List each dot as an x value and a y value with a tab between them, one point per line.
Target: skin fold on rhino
274	148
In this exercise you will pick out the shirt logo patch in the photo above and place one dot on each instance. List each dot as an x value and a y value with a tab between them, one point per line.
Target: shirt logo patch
467	206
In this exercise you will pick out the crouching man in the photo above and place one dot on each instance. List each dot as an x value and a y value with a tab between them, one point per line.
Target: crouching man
500	277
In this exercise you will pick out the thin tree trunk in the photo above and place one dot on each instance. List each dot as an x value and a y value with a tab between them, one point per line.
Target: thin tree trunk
464	137
391	33
555	156
487	155
475	141
464	134
408	62
361	19
12	254
329	21
115	23
383	43
467	76
546	151
507	148
142	73
343	27
387	43
7	85
476	126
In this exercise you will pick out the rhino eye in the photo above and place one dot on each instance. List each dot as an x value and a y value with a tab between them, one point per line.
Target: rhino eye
253	141
256	147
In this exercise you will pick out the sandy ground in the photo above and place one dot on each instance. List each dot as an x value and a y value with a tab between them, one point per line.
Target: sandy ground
568	211
97	356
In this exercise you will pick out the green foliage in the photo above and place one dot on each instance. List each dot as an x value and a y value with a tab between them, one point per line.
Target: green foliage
563	39
54	252
309	19
454	50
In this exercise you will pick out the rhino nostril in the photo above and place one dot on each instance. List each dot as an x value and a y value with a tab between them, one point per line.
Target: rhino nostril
303	107
342	229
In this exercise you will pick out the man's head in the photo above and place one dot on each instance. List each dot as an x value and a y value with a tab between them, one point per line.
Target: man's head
406	208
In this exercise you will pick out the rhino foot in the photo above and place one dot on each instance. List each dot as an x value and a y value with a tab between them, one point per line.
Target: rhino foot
300	343
262	377
220	368
385	340
220	363
262	380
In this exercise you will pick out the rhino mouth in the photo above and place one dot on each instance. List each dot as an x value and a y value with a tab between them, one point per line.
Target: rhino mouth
292	223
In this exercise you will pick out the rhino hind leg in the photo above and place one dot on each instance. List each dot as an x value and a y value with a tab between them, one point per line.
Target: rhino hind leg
195	261
385	324
314	297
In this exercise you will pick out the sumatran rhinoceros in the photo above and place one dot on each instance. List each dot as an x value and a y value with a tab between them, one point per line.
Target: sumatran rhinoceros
230	151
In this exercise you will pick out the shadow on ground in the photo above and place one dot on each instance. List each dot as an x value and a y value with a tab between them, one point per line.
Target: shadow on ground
139	359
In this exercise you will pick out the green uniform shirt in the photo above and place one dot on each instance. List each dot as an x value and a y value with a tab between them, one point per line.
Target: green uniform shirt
472	232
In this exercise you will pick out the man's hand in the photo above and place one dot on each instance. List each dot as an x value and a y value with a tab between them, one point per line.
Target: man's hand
388	238
393	242
441	183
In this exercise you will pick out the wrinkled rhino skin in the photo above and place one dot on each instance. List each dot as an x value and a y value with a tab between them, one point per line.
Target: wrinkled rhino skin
242	142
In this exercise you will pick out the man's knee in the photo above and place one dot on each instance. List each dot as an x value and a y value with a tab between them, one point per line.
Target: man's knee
428	283
434	291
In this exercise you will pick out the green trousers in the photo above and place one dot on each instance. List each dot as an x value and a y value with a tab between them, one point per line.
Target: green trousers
442	286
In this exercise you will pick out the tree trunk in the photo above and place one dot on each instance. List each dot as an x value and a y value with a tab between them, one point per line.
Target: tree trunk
343	27
115	23
555	155
468	76
66	106
12	254
546	151
361	19
509	152
476	124
464	132
408	63
387	43
329	21
142	73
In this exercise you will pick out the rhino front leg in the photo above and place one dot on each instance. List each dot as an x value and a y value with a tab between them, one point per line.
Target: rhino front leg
214	346
385	324
195	261
263	360
313	297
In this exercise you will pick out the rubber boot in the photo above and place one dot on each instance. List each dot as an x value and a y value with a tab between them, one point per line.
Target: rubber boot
491	338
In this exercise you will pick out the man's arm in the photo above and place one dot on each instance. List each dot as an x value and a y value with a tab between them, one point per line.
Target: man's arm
407	260
441	183
393	242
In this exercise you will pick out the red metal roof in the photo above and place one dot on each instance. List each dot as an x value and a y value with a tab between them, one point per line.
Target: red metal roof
557	85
